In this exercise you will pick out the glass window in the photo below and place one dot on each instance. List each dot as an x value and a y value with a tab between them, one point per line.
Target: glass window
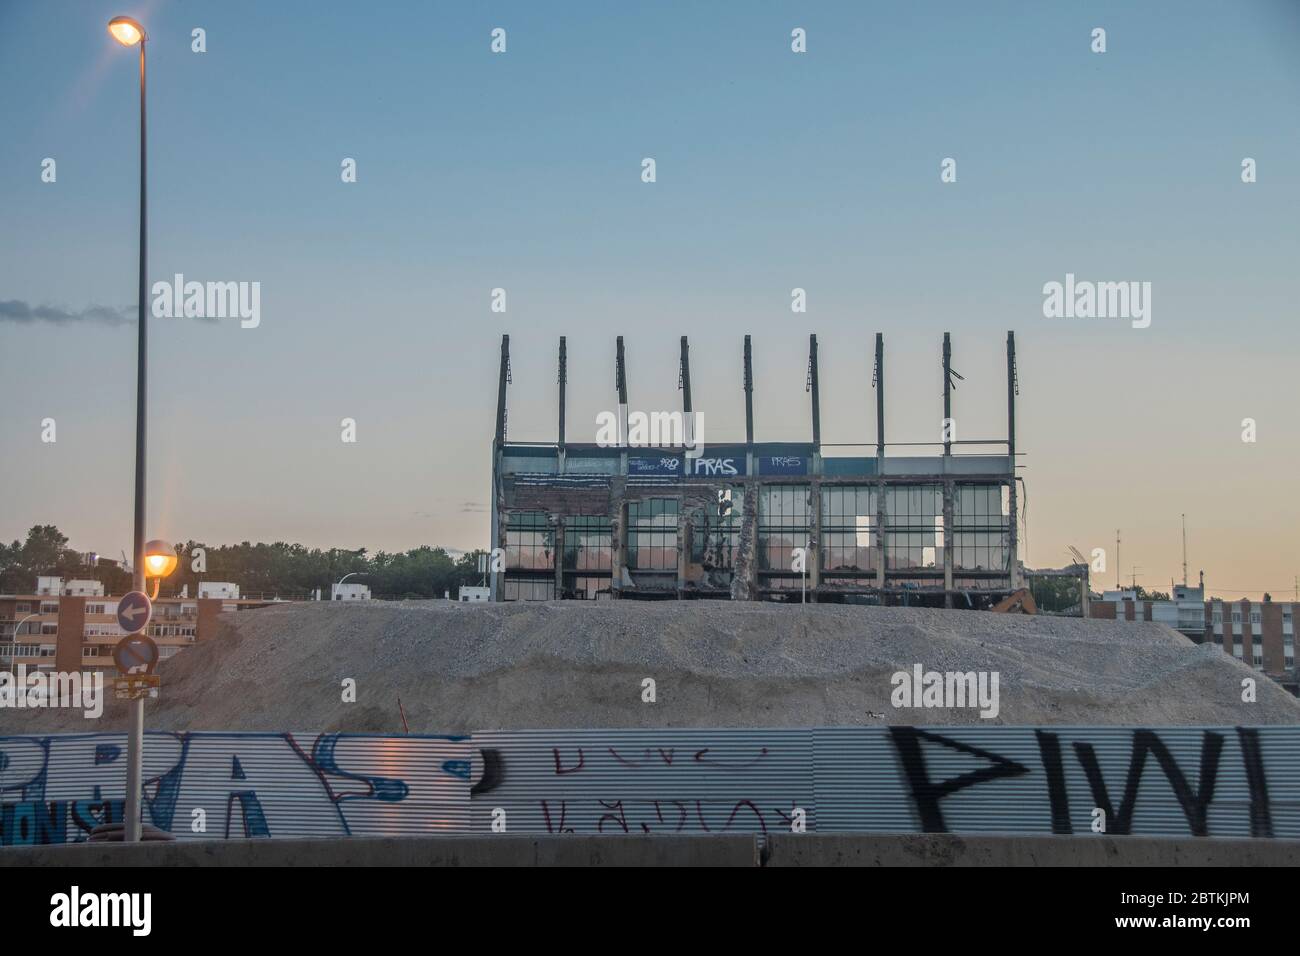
848	528
914	522
588	543
784	514
530	541
981	528
652	534
528	589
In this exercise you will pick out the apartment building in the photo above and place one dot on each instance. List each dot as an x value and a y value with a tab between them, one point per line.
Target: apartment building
1258	633
77	632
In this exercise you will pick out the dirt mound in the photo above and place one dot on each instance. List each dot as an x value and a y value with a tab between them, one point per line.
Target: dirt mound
460	668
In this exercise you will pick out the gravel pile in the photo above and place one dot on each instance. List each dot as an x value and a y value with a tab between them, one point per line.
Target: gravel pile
459	668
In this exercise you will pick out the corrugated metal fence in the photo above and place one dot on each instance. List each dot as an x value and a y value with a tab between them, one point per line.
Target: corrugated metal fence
1161	781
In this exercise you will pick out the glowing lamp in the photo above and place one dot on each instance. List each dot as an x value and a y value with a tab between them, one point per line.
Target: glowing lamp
159	559
126	31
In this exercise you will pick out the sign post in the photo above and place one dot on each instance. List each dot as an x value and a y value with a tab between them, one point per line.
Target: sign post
133	655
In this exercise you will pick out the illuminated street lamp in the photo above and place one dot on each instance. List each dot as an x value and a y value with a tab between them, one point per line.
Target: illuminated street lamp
126	31
159	562
129	32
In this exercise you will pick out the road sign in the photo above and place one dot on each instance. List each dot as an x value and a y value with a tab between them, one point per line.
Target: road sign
136	686
136	654
134	611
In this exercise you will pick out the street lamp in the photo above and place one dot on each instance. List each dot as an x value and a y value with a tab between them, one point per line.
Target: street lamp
129	32
13	657
159	562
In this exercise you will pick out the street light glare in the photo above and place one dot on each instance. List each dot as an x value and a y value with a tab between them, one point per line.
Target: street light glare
126	31
159	559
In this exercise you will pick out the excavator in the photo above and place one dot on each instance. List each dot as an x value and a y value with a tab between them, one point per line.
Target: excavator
1017	602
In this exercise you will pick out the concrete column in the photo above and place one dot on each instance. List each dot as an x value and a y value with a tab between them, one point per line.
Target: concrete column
949	489
683	546
619	529
1013	537
881	518
559	554
815	539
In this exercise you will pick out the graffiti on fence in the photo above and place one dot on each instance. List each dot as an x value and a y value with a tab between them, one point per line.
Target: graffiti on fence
1180	781
56	789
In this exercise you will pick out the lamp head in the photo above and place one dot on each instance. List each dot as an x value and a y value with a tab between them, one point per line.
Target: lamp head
159	559
126	31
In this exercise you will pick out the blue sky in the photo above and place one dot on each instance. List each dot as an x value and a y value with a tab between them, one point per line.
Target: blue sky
775	170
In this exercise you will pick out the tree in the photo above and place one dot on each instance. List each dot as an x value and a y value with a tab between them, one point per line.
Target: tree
44	552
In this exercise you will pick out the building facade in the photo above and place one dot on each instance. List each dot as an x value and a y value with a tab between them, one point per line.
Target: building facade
63	632
1258	633
754	520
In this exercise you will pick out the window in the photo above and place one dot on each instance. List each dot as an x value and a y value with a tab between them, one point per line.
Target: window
1236	617
848	523
784	514
652	534
1258	658
23	608
90	650
528	589
1254	617
94	609
981	528
49	607
588	544
49	628
530	541
914	527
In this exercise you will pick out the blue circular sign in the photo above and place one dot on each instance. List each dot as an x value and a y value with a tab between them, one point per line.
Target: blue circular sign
136	653
134	611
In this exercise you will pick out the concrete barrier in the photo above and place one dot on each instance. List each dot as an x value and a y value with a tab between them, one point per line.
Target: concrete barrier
808	849
947	849
499	850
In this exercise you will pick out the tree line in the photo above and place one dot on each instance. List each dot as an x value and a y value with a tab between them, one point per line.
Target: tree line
290	571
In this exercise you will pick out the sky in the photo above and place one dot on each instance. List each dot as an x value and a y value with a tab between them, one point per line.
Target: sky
775	170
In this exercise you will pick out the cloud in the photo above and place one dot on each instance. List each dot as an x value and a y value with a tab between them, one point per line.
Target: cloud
15	310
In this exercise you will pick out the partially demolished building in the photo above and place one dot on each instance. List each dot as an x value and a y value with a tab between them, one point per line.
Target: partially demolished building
751	520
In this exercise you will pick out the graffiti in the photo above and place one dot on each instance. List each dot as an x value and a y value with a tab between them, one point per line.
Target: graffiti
56	789
1167	781
1182	781
784	465
665	466
719	466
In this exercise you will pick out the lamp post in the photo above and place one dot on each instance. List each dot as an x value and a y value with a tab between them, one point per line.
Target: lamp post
129	32
13	657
